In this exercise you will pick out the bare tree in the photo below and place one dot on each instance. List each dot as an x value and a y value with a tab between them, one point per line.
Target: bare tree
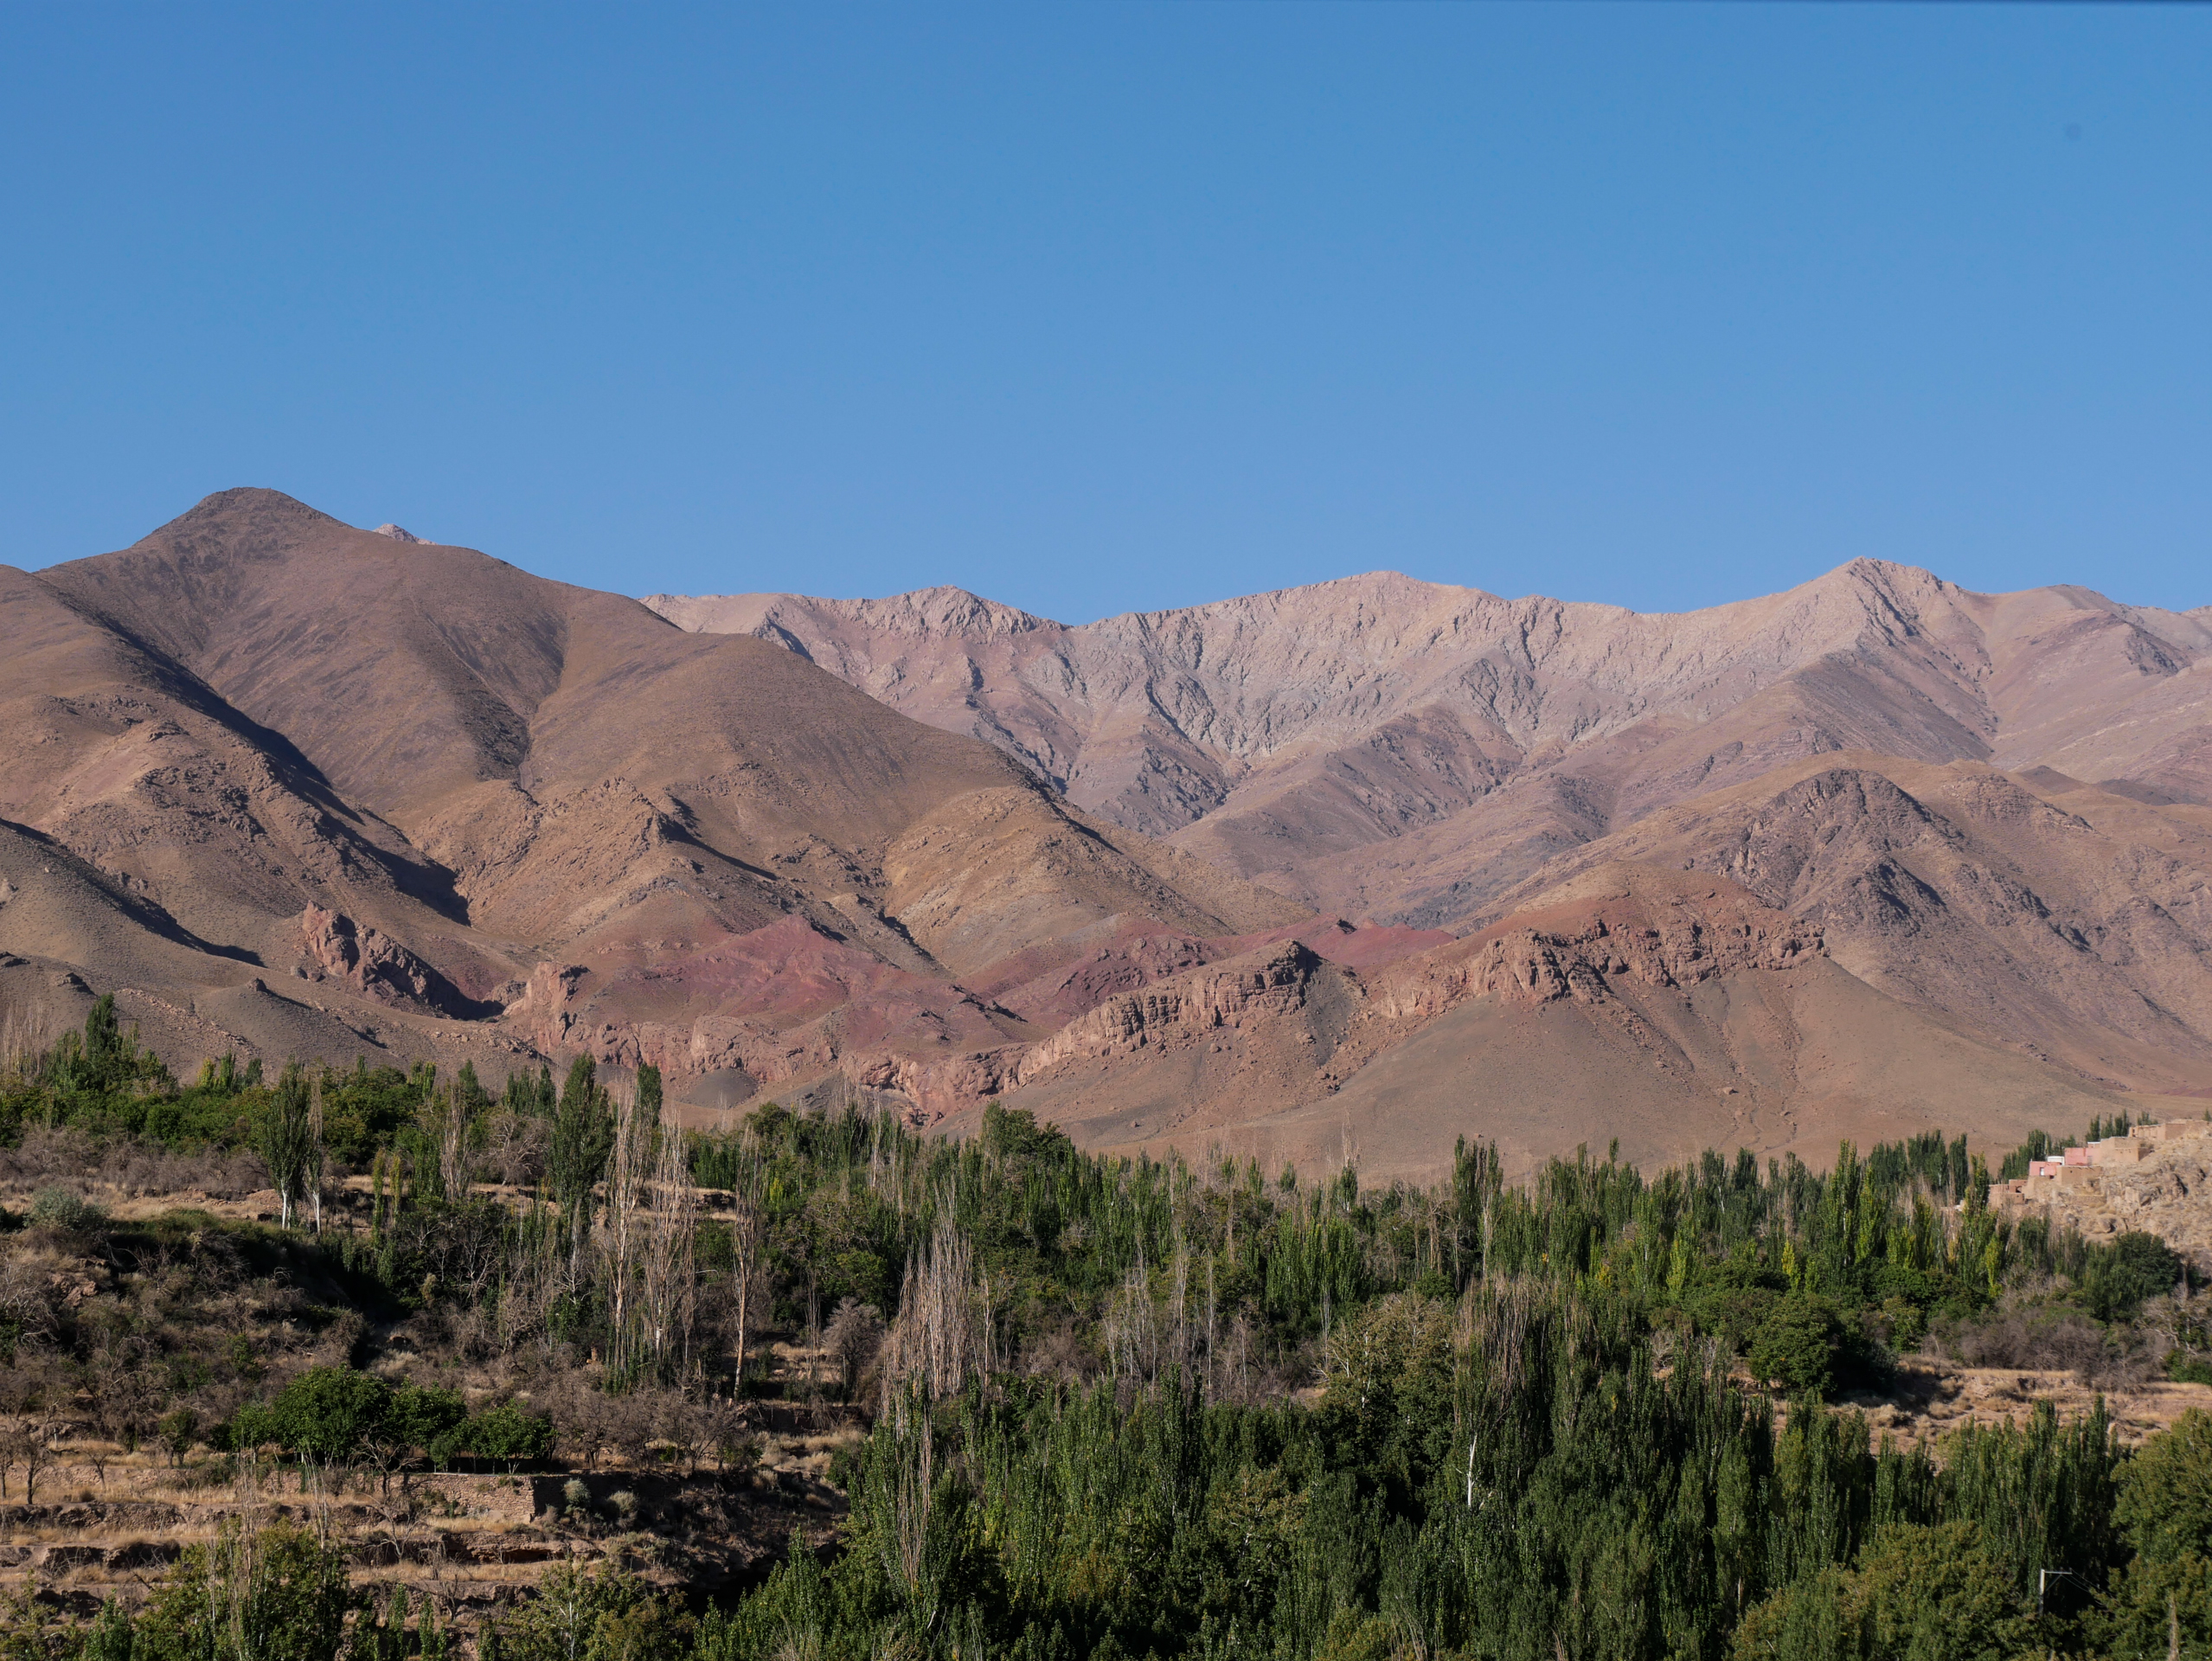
34	1450
747	1239
383	1450
853	1336
316	1155
453	1128
625	1183
722	1422
517	1147
938	1337
667	1278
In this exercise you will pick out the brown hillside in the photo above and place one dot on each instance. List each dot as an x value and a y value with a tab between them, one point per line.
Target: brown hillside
285	747
1820	864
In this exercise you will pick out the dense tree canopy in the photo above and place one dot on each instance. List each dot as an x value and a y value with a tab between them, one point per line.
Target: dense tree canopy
1127	1408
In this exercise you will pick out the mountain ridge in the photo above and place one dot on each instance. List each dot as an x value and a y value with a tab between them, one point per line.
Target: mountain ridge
1365	864
1350	713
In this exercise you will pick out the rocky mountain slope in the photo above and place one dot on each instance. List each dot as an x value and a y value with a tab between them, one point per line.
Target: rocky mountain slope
1437	727
1991	808
1871	855
306	789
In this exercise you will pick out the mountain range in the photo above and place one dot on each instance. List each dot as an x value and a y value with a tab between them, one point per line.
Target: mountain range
1344	870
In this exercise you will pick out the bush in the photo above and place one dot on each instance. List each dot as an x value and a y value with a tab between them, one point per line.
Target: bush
1796	1349
60	1208
509	1434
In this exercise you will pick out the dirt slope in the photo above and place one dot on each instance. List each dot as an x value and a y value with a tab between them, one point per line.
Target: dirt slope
1666	1009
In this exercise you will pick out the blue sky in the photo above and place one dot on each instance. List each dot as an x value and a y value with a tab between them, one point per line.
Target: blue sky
1102	308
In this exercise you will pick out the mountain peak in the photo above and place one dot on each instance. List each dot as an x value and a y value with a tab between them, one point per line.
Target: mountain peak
247	503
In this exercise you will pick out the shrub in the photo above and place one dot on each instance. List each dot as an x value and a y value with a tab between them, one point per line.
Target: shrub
178	1431
1796	1348
60	1208
509	1434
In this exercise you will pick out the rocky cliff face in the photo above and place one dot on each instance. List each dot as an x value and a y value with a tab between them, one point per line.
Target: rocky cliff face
370	961
2157	1181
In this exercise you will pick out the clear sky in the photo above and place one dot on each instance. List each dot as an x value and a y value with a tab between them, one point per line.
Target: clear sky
1095	308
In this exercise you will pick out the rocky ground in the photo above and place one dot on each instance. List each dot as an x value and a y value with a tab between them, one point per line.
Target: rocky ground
2157	1181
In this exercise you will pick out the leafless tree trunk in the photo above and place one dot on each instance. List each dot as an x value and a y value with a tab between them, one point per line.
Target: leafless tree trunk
668	1282
454	1144
745	1241
315	1148
936	1337
626	1182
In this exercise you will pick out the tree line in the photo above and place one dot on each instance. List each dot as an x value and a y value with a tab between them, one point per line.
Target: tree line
1130	1407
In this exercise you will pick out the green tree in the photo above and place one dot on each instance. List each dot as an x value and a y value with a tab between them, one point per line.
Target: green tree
583	1136
269	1594
427	1416
286	1140
1797	1347
509	1433
2156	1609
2165	1504
1918	1594
328	1416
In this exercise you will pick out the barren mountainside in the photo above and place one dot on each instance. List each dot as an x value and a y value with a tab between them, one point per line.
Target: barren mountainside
1278	731
1350	868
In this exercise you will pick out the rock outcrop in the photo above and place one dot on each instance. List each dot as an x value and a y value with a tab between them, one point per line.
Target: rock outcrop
371	961
2156	1180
